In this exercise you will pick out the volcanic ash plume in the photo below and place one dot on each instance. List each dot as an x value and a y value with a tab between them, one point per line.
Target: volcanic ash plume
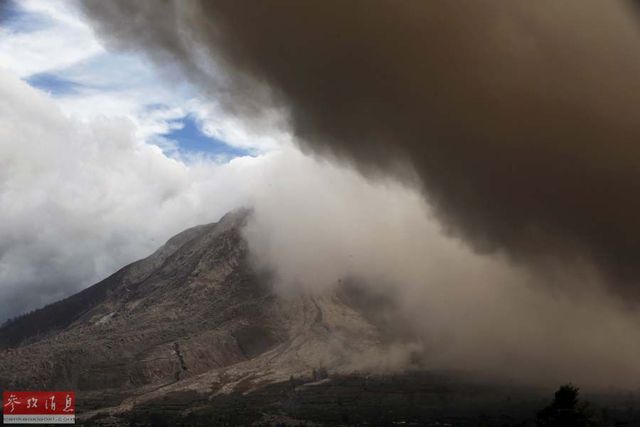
517	122
519	117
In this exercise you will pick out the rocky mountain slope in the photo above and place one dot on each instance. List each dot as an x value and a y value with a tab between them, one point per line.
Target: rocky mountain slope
193	315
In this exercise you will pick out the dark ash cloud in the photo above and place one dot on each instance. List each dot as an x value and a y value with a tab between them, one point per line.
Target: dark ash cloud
520	118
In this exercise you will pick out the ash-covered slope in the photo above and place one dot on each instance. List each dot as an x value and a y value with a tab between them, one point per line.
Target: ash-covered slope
192	315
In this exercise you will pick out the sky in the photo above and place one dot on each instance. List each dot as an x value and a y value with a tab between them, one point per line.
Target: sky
51	47
458	176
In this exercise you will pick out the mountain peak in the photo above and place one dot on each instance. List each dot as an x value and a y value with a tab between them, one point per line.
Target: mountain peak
61	314
193	314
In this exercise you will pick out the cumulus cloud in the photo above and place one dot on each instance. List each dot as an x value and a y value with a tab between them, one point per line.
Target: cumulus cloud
81	199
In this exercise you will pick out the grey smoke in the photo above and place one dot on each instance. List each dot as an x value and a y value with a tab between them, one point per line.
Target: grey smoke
519	118
516	121
318	226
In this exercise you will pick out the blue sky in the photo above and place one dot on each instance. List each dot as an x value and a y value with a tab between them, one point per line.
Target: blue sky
53	83
18	19
191	138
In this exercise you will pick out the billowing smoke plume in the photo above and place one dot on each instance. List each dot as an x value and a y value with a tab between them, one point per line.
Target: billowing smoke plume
517	121
520	118
321	226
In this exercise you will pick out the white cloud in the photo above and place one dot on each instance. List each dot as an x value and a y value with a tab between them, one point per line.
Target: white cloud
79	199
270	133
114	84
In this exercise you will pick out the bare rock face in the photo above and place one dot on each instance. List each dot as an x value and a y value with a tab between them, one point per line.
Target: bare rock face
192	316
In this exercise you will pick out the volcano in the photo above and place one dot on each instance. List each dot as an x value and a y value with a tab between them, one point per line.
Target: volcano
194	316
195	334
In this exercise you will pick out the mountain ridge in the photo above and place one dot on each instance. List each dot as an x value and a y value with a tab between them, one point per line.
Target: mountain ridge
194	315
68	309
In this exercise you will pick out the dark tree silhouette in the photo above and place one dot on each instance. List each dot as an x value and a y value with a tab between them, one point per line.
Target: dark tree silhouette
566	410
